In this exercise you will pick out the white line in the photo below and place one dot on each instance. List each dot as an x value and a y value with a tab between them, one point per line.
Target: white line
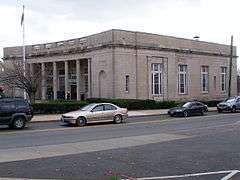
191	175
230	175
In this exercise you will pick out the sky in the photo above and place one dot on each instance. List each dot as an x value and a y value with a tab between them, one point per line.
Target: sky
56	20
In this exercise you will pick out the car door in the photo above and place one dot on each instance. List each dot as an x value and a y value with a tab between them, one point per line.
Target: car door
109	112
193	109
199	107
96	114
7	110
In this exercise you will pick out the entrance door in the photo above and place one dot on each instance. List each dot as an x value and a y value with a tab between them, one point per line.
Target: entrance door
73	92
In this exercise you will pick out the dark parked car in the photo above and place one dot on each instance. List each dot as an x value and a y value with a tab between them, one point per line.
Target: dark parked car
15	112
188	108
230	104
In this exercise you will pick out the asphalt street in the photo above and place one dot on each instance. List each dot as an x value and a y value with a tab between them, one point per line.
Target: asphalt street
199	147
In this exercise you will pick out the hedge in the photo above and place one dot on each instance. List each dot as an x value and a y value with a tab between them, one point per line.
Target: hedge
62	106
53	107
211	103
136	104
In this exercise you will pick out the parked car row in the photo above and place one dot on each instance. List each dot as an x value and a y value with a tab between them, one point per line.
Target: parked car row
16	112
231	104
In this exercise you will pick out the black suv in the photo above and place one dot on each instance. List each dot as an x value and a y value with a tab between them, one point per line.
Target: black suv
15	112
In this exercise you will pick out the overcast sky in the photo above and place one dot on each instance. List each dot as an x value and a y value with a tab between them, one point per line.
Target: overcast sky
55	20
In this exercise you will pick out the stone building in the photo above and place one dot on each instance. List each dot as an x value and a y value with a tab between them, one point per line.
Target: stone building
130	65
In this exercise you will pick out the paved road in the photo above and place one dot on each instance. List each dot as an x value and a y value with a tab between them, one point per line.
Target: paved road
144	147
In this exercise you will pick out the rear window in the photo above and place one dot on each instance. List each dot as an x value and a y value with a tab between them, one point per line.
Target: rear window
109	107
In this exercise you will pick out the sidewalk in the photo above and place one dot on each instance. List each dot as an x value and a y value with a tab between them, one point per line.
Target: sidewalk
56	117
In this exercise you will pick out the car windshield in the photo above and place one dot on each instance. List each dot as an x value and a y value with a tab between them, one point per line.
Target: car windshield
87	107
186	104
230	100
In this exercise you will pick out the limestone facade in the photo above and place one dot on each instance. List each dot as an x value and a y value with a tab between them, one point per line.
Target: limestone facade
131	65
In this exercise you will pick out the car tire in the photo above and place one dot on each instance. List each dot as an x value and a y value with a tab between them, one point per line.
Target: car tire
81	121
185	114
202	112
233	110
18	123
219	110
117	119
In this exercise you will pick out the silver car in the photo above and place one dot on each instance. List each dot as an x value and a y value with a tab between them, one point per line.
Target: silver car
231	104
96	112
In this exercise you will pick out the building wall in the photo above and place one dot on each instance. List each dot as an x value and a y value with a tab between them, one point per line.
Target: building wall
125	63
116	53
102	73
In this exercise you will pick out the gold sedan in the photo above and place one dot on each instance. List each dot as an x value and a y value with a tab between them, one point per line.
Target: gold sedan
96	112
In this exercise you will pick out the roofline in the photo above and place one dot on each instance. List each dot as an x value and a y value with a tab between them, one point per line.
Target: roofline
77	50
172	37
60	40
141	32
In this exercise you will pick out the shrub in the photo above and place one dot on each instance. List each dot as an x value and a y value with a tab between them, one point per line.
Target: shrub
211	103
51	107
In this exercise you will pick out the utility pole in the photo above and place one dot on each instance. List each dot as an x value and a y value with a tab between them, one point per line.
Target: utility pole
230	68
24	50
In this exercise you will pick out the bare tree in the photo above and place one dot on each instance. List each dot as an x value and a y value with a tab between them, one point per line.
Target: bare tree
13	77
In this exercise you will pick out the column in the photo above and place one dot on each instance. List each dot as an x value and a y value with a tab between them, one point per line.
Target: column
54	80
66	79
78	79
43	83
89	79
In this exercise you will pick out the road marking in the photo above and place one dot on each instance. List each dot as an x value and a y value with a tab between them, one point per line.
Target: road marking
114	125
230	173
35	152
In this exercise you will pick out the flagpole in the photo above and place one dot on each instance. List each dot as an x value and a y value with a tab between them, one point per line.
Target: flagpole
24	51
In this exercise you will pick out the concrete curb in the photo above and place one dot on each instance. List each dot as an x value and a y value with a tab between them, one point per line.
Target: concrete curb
132	116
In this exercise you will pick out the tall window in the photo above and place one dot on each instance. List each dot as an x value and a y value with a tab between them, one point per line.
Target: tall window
127	83
182	79
223	79
156	77
204	78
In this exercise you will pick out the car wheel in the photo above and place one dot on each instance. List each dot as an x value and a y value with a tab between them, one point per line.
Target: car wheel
185	114
81	121
219	110
117	119
18	123
233	109
202	112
